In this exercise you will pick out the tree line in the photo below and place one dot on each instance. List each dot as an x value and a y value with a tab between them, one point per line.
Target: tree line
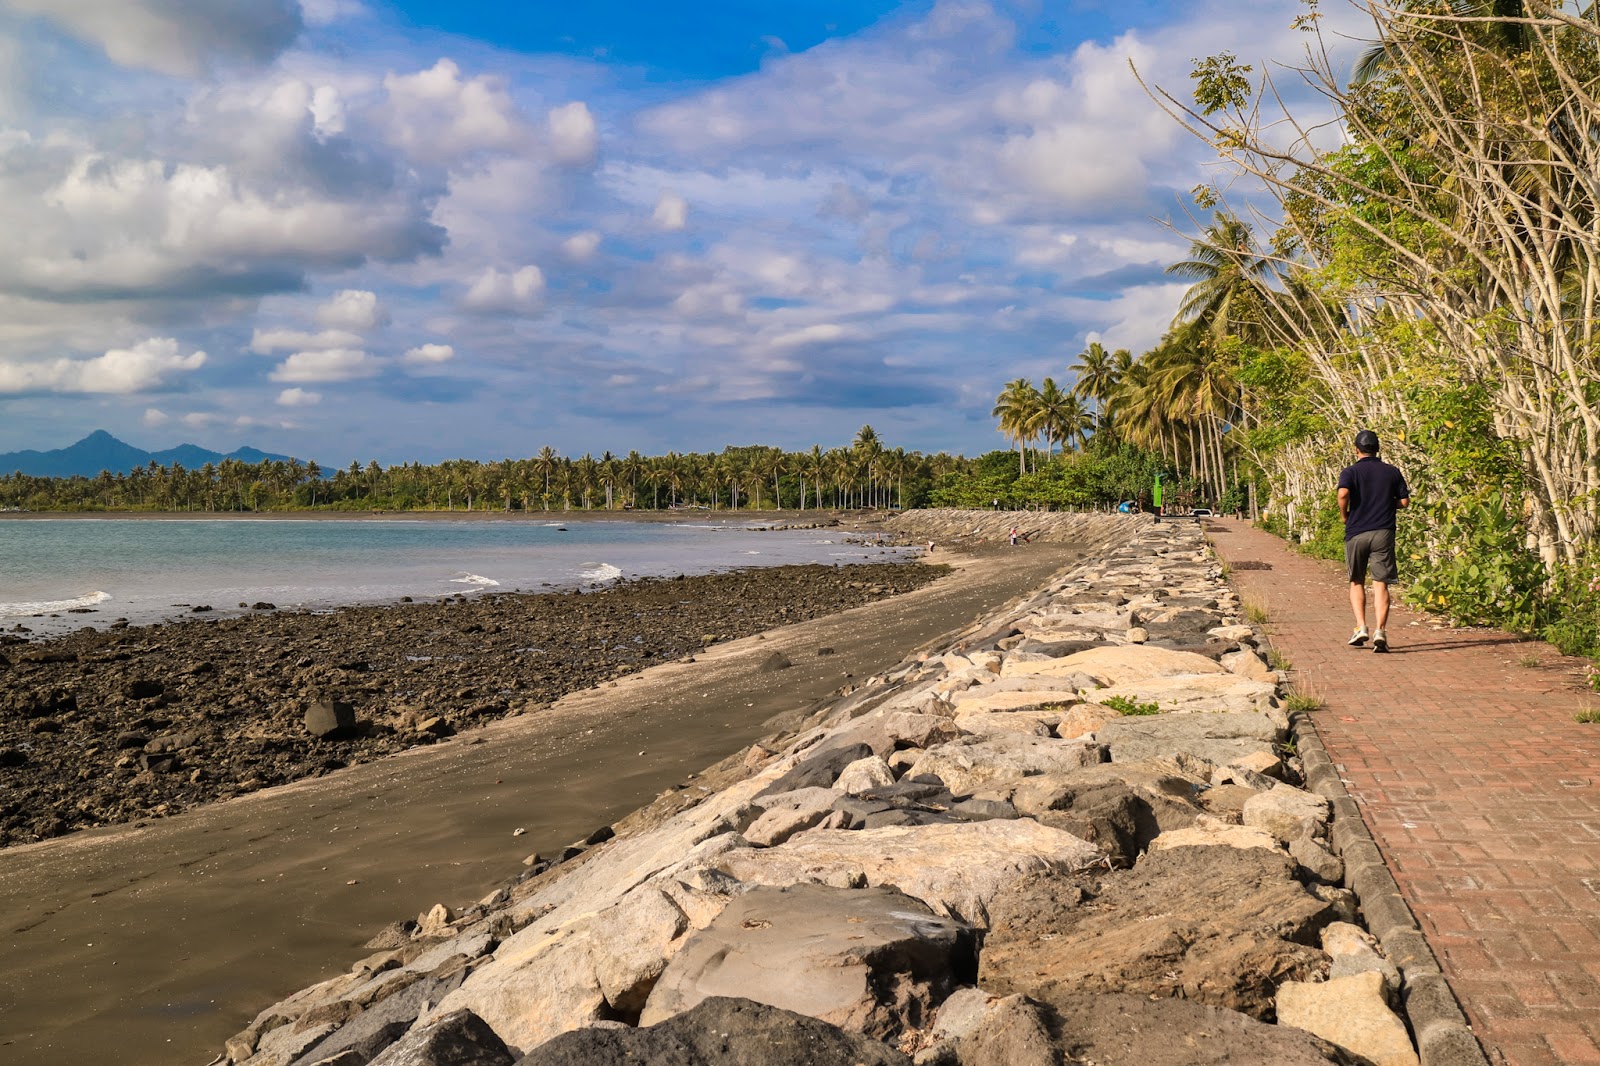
864	473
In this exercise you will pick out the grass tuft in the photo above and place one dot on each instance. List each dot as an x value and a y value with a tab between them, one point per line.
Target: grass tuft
1588	716
1255	613
1279	661
1302	701
1124	706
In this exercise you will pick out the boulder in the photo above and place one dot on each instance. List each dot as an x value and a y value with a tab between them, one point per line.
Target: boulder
1084	718
1351	1012
789	813
972	764
1208	831
1248	664
1288	813
1013	1031
458	1039
1316	861
820	766
720	1032
1218	738
1120	1030
773	663
864	774
956	869
1208	694
1213	925
993	698
1118	665
872	961
383	1022
984	723
1354	950
329	718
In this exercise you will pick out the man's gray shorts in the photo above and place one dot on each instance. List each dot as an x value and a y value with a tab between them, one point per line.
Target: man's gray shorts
1372	550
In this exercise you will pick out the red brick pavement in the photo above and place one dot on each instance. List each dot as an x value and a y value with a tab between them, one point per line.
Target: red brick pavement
1479	787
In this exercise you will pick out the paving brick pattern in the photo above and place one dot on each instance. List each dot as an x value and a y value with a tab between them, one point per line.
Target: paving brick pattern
1480	788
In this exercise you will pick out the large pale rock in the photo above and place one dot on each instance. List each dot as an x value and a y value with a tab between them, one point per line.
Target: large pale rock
994	699
1288	812
1118	665
1351	1012
1208	831
1232	632
1118	1030
1205	694
1217	738
984	723
1213	925
954	868
721	1032
888	731
1354	950
864	774
1084	718
972	764
872	961
789	813
1248	664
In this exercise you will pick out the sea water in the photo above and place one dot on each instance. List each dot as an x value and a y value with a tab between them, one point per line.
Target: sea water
60	574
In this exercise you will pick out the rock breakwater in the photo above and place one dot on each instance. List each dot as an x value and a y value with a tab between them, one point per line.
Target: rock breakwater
1074	835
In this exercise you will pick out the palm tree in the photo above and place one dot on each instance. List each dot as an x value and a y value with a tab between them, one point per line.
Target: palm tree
1016	407
1096	375
1229	281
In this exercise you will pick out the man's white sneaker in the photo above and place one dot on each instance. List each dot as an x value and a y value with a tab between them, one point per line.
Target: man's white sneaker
1380	641
1358	638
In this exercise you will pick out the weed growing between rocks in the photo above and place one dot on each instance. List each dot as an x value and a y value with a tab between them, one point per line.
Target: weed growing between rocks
1302	701
1124	706
1588	716
1279	661
1255	613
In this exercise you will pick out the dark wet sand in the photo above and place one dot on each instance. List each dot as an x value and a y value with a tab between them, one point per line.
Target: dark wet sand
153	945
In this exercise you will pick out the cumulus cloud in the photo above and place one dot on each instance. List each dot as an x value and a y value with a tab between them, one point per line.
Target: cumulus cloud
335	364
496	290
437	114
146	365
154	416
298	397
580	247
267	341
352	309
180	37
572	133
672	212
429	355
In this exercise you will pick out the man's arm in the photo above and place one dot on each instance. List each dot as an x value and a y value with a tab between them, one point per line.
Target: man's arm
1344	503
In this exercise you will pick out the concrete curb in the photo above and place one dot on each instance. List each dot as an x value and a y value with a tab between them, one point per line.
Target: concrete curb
1443	1036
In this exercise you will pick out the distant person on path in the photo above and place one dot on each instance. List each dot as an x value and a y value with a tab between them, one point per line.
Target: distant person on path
1370	492
1013	536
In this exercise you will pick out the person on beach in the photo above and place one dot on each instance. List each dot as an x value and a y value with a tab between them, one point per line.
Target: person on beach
1013	536
1370	493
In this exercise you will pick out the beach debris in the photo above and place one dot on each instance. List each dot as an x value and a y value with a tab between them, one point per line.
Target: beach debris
329	718
518	831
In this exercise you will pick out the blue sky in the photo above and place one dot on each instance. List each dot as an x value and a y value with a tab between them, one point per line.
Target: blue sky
411	230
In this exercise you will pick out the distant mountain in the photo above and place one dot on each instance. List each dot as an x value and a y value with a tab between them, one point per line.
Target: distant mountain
101	451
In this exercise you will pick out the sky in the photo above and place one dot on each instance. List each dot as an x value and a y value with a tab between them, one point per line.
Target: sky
411	230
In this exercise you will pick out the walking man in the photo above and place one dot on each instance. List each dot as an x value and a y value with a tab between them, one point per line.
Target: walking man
1370	492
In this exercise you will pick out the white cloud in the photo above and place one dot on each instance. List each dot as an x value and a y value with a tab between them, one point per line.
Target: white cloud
298	397
154	416
336	364
429	355
352	309
267	341
327	12
435	114
174	36
580	247
496	290
146	365
672	212
573	137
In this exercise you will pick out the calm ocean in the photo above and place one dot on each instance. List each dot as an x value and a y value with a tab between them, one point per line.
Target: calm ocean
149	570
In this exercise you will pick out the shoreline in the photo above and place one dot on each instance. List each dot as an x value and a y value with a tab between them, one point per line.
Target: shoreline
687	515
129	937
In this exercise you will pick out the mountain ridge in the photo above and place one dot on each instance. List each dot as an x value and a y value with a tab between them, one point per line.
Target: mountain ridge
101	451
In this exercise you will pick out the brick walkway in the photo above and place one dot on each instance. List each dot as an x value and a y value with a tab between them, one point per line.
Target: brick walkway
1479	787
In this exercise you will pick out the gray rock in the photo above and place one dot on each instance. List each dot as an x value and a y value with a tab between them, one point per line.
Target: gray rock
873	960
1219	738
773	663
1121	1030
457	1039
381	1024
328	718
820	766
719	1032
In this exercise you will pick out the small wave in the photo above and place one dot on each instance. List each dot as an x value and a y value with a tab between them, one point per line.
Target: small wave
475	579
12	610
599	572
752	553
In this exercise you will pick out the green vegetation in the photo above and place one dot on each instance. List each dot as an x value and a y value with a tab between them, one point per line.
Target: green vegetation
864	474
1302	701
1279	661
1587	716
1124	706
1255	613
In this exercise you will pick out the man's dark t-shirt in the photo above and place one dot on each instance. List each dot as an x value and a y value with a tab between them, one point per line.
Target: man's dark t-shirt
1375	490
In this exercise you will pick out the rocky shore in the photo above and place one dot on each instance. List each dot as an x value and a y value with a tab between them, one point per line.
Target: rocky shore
1076	835
106	727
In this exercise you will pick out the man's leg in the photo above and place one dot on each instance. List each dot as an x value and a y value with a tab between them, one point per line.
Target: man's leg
1358	603
1380	602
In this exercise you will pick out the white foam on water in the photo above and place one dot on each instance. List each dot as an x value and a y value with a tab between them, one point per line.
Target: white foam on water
599	572
475	579
14	610
752	553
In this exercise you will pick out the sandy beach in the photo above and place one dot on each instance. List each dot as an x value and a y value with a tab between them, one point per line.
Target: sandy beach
151	944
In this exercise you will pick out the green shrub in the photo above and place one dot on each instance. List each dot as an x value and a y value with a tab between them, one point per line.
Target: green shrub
1124	706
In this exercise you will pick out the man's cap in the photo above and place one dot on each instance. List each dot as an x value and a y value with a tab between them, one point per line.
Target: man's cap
1367	441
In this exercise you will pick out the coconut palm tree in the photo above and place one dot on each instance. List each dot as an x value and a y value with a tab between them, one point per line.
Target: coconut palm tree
1229	281
1017	407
